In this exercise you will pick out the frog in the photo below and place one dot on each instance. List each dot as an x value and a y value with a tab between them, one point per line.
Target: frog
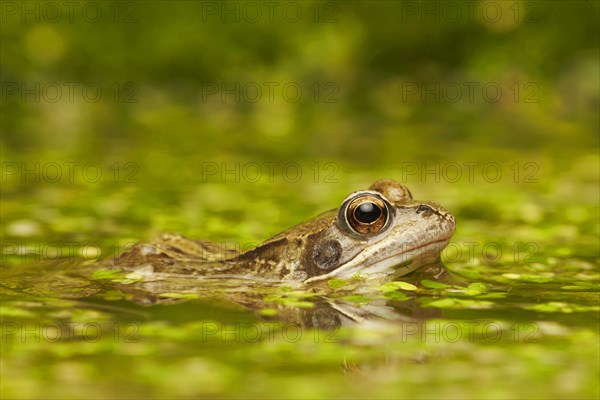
378	234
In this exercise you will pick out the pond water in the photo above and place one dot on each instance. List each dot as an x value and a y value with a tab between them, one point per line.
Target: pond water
518	315
188	117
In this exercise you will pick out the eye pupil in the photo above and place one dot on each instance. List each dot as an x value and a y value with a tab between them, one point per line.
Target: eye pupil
367	213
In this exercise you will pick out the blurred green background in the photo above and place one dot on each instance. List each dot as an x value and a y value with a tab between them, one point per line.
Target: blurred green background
154	94
121	120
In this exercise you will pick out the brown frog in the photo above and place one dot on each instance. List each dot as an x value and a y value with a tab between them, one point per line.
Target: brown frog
376	234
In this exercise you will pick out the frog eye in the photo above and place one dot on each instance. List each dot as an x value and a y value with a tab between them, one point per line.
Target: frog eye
365	214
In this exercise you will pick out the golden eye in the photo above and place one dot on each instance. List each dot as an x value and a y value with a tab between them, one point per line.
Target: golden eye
366	214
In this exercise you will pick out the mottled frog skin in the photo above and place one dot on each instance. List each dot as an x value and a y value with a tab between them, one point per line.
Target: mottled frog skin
379	233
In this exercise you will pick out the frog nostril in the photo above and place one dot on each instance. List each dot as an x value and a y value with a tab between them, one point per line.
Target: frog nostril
424	208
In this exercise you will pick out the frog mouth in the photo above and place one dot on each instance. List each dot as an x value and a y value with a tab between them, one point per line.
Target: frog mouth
394	265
